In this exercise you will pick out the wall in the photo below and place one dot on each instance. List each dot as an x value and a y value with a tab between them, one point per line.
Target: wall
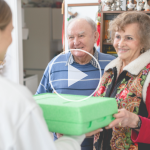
44	41
84	11
14	64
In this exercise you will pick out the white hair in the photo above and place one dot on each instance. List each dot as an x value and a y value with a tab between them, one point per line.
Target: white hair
88	19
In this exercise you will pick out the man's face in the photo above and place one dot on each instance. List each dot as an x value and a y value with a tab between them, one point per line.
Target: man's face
80	35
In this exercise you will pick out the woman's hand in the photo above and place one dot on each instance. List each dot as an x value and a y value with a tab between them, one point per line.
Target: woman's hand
93	132
124	118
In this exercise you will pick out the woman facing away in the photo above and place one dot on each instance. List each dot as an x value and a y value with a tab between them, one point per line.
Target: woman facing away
22	124
127	79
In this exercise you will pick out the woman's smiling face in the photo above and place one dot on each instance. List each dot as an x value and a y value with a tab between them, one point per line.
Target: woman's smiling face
127	43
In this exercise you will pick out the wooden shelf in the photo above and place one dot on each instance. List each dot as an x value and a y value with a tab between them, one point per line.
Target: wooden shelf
112	52
107	43
109	15
83	4
147	12
118	12
112	12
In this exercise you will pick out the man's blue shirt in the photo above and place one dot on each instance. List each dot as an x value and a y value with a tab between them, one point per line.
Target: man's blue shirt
58	75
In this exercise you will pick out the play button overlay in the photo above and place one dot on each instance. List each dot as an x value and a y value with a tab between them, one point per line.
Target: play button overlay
74	75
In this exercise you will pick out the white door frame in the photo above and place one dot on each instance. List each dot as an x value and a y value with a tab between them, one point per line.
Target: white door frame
14	57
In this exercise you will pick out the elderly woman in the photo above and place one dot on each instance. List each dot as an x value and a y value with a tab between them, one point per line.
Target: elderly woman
127	79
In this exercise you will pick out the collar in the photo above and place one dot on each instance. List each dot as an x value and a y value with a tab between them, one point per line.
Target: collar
134	67
93	62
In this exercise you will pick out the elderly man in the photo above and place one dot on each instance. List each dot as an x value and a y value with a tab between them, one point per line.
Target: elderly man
81	34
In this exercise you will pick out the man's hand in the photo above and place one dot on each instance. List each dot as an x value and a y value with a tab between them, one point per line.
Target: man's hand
59	135
93	132
87	134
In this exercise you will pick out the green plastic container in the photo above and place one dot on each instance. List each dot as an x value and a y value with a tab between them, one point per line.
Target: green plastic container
76	118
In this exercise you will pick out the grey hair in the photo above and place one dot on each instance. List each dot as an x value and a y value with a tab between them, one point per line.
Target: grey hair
88	19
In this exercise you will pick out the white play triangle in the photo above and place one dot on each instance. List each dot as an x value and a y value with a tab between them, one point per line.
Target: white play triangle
74	75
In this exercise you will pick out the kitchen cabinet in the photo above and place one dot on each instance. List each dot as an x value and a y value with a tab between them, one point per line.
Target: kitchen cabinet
57	20
45	26
31	82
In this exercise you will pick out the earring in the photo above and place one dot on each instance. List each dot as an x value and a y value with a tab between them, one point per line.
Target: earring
142	50
2	64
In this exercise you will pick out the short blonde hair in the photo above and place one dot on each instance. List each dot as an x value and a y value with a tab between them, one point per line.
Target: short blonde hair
5	15
143	21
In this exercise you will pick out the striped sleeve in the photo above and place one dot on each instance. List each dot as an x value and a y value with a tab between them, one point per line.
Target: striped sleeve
44	86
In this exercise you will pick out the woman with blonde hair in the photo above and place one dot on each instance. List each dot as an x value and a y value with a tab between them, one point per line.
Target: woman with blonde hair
22	124
127	79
